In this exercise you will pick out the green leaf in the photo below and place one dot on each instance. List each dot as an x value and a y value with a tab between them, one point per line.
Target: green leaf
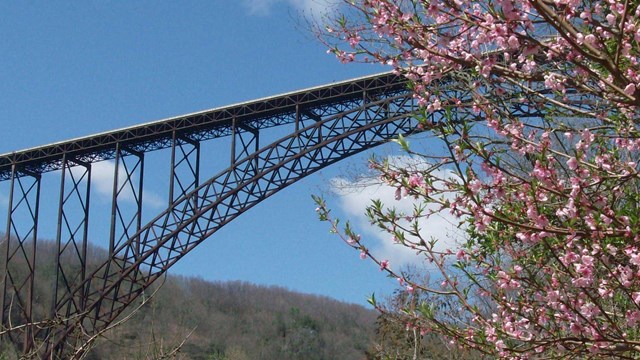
372	300
404	144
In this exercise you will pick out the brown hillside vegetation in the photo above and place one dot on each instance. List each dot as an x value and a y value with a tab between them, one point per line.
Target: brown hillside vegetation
220	320
236	320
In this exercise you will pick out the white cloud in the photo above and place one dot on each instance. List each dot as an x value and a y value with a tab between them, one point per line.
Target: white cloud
102	174
355	196
259	7
314	8
102	177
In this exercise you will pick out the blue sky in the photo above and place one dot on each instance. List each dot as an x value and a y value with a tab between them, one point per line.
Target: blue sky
70	69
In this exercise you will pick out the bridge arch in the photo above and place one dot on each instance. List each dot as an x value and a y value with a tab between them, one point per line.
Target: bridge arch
323	125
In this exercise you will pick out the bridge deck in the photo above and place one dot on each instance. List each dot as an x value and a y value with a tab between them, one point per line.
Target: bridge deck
260	113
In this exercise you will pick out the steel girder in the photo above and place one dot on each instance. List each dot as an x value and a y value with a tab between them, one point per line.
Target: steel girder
199	213
200	126
20	251
322	125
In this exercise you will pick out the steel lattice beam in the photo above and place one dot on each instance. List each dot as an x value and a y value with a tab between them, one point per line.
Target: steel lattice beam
219	200
320	125
20	254
205	125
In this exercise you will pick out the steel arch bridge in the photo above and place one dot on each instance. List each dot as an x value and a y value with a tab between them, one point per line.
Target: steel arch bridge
316	127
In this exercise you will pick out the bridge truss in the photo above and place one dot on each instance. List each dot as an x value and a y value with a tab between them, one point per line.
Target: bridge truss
318	127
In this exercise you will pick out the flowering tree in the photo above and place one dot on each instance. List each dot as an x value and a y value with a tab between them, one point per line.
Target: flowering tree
535	104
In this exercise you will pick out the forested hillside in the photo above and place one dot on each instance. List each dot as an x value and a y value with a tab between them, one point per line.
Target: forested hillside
236	320
190	318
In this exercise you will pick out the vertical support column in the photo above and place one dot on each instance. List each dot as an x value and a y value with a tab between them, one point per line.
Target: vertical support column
244	142
365	99
126	209
184	177
317	132
71	236
20	253
185	167
234	131
126	220
138	200
114	199
252	146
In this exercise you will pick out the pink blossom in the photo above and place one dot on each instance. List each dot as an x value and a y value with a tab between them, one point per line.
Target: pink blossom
384	264
633	317
353	240
353	40
630	89
475	186
553	228
590	39
416	180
